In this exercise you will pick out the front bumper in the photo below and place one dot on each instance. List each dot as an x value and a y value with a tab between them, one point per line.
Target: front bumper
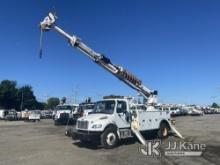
10	118
86	135
64	119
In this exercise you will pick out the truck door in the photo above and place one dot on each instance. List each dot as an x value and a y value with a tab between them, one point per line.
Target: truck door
122	115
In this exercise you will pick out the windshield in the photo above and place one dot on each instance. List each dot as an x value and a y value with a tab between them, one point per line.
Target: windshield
11	112
104	107
64	107
34	112
85	107
172	109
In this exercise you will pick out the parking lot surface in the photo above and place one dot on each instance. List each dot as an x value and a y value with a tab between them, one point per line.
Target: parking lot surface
29	143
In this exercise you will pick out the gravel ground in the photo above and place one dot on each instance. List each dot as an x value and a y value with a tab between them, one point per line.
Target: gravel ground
28	143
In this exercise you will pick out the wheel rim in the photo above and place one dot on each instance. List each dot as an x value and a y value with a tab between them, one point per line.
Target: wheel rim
110	139
164	132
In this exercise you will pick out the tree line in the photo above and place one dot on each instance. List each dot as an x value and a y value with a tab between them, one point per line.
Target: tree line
21	98
215	105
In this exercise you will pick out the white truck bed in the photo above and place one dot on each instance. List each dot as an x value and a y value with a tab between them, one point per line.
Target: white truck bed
34	116
149	120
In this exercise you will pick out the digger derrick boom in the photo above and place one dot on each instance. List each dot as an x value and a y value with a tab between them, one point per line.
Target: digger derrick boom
119	72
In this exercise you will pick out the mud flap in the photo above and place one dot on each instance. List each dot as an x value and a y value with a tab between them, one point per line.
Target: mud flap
173	128
134	129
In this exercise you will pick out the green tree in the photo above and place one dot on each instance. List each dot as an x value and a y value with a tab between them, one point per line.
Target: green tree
215	105
8	94
53	102
41	105
12	97
26	98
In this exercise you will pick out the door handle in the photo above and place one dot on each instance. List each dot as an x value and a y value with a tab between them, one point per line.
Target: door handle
120	114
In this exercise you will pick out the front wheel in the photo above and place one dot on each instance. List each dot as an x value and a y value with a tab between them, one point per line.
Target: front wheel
109	138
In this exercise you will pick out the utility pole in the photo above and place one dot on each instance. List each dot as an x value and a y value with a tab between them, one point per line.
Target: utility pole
76	92
22	97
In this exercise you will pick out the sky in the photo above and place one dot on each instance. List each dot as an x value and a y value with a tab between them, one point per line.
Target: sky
172	46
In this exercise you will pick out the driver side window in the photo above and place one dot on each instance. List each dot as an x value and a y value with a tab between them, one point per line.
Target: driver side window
121	107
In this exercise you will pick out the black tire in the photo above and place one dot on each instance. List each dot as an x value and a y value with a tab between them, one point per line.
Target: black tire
163	130
109	138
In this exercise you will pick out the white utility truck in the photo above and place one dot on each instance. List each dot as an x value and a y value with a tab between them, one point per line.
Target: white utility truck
112	117
34	115
3	113
65	113
85	109
12	115
115	118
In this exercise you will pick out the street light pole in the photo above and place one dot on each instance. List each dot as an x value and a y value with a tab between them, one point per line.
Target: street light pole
22	97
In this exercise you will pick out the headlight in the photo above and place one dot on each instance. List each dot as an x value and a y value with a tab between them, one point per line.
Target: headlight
97	126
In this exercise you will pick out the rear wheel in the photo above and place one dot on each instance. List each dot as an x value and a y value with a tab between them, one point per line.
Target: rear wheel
163	131
109	138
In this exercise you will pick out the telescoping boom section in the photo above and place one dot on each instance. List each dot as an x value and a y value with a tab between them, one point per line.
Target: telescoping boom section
151	96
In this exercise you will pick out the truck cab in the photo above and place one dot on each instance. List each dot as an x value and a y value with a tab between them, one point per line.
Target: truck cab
85	109
12	115
65	113
111	121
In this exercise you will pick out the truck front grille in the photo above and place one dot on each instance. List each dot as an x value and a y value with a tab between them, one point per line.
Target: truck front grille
82	124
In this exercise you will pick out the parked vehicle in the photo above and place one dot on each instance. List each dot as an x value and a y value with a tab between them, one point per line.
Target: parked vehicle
174	111
183	111
65	114
218	111
12	115
3	113
54	114
114	119
19	115
209	110
195	112
34	115
25	115
85	108
46	114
